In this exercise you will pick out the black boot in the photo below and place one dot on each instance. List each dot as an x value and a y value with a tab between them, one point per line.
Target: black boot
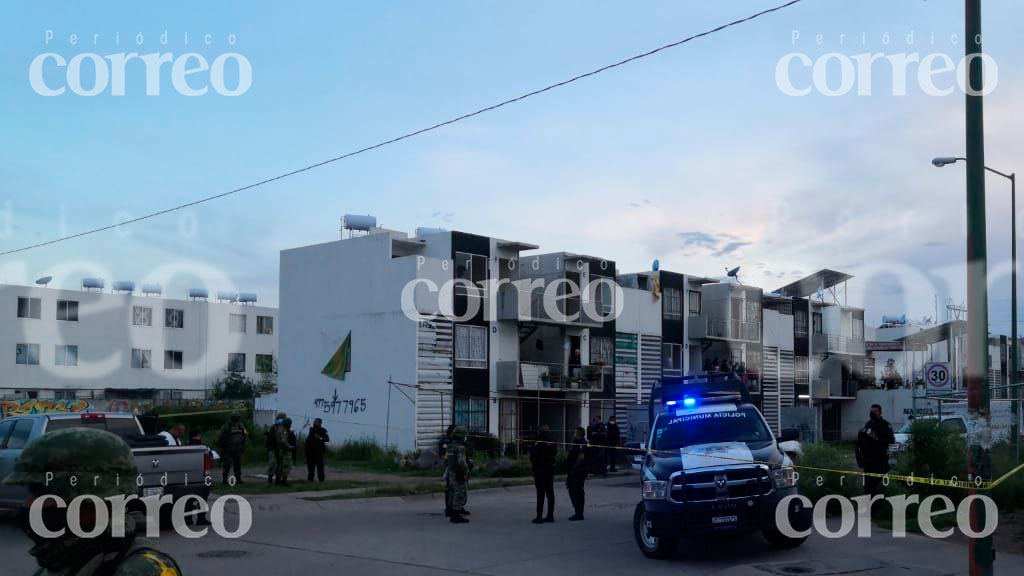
458	519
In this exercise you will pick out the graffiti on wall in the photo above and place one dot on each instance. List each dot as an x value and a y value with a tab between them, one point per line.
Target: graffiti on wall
11	408
335	405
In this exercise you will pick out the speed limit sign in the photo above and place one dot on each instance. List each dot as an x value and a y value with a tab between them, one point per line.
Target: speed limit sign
938	378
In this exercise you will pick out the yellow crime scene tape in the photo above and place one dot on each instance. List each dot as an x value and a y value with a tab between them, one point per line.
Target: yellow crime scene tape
977	484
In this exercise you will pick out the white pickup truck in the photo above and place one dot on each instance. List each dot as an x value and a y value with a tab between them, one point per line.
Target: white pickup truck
172	470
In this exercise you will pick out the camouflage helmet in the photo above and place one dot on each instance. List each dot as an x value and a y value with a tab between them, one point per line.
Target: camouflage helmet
287	422
101	463
460	433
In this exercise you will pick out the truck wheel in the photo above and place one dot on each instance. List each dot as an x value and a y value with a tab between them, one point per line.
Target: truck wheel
780	540
652	546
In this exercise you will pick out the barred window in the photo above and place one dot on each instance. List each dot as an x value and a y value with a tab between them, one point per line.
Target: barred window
470	346
672	303
471	413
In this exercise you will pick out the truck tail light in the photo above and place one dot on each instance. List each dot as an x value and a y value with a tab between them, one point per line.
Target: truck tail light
207	462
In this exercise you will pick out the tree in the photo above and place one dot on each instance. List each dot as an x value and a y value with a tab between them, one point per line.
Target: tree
891	376
233	386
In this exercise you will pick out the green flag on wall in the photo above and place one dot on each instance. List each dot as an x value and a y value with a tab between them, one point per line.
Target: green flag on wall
341	361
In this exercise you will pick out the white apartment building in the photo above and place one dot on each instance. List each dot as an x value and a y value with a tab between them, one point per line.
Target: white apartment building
99	344
501	363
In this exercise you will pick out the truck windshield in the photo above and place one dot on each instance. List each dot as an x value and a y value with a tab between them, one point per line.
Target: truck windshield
126	428
743	425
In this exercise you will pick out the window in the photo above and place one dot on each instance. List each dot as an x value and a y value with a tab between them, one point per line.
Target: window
471	413
174	318
236	362
19	435
602	350
472	267
29	308
603	298
672	359
265	363
858	329
172	359
955	424
143	358
816	321
672	304
5	431
694	302
66	355
142	316
264	324
236	323
800	322
470	346
26	354
67	310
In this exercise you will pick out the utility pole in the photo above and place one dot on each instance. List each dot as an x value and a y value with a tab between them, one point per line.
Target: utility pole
1015	345
980	549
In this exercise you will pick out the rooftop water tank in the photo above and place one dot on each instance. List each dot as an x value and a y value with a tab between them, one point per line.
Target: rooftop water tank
359	222
198	293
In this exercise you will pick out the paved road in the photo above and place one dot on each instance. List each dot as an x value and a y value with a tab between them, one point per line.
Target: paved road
409	536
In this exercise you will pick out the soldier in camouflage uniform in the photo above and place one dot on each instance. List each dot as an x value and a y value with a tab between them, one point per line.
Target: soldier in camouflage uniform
284	451
458	476
103	466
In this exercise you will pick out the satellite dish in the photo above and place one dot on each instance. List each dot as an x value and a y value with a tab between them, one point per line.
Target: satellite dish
735	272
44	280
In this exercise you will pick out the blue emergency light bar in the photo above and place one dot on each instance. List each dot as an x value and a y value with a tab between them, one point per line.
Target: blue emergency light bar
692	391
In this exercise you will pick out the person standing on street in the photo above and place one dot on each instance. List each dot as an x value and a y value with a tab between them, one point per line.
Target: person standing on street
442	452
576	464
614	441
284	453
272	448
316	448
232	441
598	442
873	442
458	476
542	459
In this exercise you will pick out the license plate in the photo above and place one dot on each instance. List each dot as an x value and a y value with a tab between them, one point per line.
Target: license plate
719	520
147	492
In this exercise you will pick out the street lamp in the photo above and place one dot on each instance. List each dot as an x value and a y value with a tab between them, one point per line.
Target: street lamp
1014	349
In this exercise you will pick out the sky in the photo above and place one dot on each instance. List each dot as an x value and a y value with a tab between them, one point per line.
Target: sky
693	156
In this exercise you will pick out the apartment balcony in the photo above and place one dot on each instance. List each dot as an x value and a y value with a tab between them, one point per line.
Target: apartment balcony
733	330
537	306
697	327
538	376
837	344
825	389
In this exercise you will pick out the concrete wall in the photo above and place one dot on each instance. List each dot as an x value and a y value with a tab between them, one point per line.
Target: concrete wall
330	290
105	336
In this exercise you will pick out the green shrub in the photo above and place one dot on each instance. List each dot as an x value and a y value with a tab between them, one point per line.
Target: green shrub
816	484
488	444
1009	495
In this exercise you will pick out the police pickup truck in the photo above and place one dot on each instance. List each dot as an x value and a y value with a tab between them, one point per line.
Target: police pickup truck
712	466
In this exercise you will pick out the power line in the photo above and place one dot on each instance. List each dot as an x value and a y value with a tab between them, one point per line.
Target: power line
406	135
